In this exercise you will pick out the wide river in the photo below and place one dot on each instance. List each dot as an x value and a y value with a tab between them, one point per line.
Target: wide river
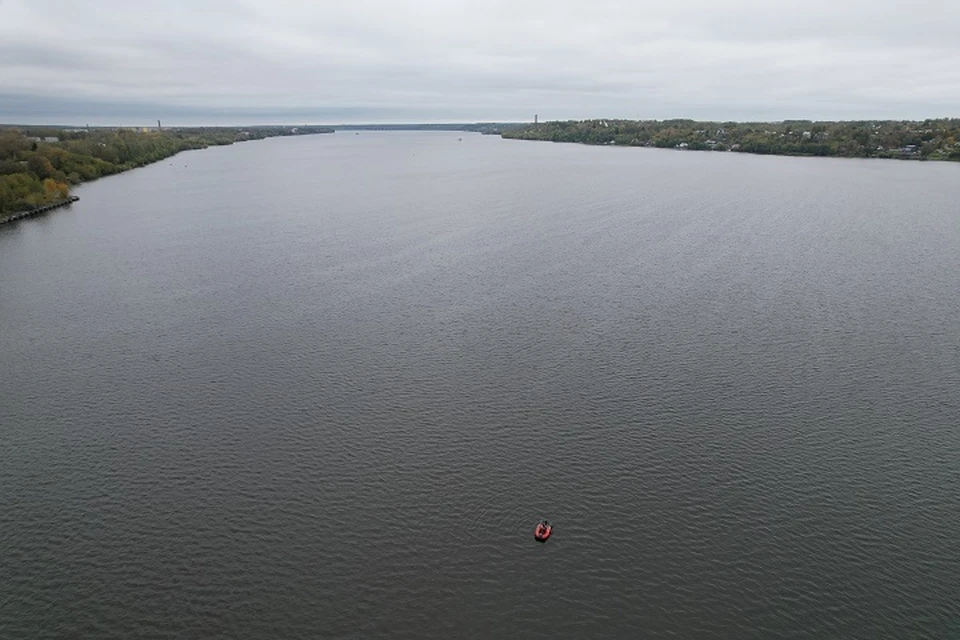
325	386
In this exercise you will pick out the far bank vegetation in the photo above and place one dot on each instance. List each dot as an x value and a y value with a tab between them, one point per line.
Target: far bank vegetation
923	140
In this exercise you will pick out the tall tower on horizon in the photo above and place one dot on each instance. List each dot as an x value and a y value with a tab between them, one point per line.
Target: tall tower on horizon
159	128
536	117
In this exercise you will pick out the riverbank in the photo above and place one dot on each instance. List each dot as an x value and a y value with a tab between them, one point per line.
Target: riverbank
32	212
38	165
921	140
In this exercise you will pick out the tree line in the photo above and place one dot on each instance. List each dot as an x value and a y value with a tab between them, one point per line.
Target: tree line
39	164
922	140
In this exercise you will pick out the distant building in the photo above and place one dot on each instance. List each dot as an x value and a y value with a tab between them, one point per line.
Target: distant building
51	139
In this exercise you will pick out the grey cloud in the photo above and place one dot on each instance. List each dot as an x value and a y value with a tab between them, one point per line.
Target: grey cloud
478	60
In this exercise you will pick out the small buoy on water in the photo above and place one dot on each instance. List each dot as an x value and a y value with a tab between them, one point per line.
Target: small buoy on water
543	531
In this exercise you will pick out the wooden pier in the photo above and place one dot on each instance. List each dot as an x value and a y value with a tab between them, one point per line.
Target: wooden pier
32	212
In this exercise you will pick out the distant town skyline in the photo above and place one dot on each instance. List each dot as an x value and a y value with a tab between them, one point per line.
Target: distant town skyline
286	62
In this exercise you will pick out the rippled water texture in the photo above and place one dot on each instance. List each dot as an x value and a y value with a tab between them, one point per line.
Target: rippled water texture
326	386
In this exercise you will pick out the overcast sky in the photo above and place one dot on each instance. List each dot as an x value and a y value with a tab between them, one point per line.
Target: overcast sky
255	61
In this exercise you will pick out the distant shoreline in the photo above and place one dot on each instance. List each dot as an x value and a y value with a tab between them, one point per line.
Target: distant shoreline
902	140
38	165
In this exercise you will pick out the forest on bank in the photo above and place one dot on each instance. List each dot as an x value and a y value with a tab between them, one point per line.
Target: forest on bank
923	140
38	165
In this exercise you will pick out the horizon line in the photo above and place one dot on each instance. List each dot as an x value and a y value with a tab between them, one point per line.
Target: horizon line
458	123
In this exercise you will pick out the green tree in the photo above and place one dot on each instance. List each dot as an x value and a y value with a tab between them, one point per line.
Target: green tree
40	166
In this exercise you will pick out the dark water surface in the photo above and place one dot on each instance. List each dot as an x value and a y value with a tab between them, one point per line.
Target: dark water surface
326	386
